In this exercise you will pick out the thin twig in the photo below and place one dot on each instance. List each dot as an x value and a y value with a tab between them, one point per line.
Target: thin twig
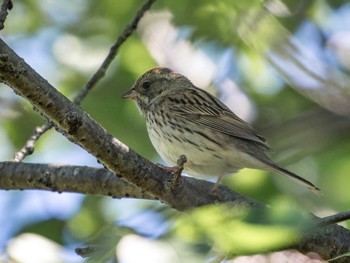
113	52
336	218
28	148
6	5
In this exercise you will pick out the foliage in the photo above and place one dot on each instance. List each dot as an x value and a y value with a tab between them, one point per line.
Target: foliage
65	41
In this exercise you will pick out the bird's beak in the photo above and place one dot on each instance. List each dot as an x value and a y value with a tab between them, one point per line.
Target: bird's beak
131	94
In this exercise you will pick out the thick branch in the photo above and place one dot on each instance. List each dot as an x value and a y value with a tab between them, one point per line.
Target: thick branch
66	178
94	181
87	180
84	180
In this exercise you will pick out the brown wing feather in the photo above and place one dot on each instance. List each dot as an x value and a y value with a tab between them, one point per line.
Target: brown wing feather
213	114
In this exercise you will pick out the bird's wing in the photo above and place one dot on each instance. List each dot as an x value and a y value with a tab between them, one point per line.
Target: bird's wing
215	115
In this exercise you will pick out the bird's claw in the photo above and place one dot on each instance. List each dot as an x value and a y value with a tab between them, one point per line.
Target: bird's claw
175	170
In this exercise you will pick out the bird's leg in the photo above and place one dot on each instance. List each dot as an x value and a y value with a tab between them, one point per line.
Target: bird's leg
176	170
216	185
168	169
180	166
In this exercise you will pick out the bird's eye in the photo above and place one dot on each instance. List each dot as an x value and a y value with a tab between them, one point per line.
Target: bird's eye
146	84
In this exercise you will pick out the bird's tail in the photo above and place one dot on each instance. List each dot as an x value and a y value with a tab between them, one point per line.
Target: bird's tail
283	171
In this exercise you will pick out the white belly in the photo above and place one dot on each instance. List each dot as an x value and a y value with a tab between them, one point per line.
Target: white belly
202	163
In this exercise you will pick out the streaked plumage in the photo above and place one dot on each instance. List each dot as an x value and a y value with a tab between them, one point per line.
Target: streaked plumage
183	119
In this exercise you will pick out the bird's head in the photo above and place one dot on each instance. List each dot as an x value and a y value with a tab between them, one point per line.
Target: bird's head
155	84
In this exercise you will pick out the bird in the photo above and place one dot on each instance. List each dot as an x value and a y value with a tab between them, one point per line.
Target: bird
182	119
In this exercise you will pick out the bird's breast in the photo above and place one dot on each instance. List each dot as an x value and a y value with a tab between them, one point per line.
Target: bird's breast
172	138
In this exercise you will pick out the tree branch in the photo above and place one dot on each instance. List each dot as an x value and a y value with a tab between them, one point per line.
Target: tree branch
6	5
330	242
87	180
94	181
81	129
67	178
28	147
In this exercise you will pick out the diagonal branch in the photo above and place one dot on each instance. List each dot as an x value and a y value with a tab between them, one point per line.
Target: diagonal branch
28	148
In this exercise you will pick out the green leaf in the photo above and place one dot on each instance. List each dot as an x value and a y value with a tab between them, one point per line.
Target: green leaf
238	231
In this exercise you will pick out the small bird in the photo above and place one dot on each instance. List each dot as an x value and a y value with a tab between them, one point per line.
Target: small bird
182	119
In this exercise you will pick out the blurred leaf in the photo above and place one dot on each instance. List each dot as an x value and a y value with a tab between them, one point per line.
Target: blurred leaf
51	229
132	54
212	20
26	17
107	16
21	127
105	243
254	183
335	166
229	230
88	221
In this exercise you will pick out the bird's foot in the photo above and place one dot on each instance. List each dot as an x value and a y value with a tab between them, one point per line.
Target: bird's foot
214	190
175	170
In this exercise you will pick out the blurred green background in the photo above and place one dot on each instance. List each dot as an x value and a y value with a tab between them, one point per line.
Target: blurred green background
281	65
